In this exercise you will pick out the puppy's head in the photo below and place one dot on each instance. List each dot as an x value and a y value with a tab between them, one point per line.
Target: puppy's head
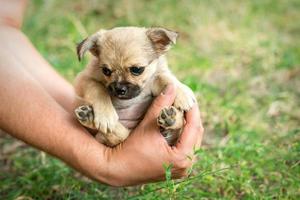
126	58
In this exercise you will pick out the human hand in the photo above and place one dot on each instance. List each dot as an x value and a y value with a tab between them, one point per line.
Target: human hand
141	157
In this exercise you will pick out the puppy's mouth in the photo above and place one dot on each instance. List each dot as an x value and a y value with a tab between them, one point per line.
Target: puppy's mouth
124	90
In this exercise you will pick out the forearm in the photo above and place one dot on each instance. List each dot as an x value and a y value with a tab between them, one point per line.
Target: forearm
12	12
30	114
17	44
14	41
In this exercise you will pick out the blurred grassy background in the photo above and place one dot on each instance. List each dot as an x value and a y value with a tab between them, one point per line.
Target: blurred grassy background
241	58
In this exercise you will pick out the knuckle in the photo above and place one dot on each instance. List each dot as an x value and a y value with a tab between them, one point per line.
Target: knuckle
159	103
156	106
184	174
183	164
178	174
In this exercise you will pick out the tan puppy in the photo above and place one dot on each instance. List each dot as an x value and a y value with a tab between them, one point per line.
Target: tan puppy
127	71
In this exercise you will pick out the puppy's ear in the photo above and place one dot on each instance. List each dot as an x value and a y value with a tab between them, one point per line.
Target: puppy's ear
90	43
161	39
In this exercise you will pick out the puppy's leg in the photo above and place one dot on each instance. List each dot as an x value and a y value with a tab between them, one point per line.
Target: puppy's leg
185	97
85	116
97	107
118	135
170	121
98	111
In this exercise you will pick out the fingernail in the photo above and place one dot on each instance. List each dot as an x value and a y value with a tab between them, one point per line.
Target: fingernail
168	89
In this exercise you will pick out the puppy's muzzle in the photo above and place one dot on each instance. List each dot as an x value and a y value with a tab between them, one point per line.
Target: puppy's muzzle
124	90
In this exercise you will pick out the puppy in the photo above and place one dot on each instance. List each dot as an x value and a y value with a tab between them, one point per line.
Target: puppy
128	69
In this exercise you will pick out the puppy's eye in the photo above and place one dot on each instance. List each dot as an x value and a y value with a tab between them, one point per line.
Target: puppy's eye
137	70
106	71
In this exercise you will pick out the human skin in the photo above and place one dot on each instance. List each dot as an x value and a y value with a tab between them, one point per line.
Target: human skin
36	107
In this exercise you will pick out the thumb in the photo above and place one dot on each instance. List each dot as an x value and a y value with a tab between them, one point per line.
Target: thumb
165	99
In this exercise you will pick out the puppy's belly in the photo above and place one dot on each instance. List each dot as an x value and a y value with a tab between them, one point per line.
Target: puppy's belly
131	114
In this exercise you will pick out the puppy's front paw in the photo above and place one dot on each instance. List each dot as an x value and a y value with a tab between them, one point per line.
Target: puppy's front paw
185	98
85	115
105	119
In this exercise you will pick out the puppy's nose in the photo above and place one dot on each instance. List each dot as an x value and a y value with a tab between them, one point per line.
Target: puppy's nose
121	89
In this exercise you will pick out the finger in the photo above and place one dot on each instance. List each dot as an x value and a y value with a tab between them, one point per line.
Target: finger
192	132
165	99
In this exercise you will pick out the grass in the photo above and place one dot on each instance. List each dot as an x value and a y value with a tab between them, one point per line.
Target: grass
241	58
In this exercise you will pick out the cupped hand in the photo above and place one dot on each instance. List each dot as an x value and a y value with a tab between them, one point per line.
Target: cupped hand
141	157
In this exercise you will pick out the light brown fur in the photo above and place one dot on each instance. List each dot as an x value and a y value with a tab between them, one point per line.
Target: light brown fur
118	49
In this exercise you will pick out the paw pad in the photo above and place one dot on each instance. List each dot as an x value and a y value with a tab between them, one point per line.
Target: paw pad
84	113
167	117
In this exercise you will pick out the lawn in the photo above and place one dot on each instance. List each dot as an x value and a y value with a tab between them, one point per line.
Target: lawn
242	60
